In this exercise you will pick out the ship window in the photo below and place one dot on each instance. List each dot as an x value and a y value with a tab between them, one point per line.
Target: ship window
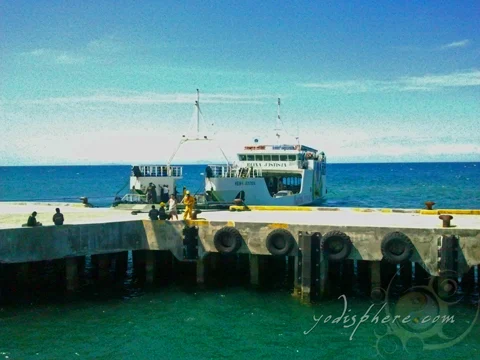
274	157
258	157
267	158
283	157
242	157
250	157
292	157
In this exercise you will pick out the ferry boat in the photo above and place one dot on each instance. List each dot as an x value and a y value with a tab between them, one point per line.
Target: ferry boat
267	174
164	176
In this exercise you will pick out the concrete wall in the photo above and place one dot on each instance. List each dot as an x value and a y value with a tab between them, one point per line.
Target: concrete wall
52	242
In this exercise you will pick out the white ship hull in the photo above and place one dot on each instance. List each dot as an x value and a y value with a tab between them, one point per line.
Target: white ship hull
255	190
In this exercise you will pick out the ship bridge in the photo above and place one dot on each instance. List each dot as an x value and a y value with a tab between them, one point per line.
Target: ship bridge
278	156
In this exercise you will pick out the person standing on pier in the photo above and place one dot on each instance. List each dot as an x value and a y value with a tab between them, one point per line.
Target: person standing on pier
153	214
189	201
32	221
58	217
172	206
166	195
149	194
162	192
154	193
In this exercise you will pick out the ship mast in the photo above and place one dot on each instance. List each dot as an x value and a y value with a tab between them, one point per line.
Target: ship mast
278	122
197	105
197	137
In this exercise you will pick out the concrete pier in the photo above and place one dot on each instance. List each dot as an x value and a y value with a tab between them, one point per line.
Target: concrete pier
322	245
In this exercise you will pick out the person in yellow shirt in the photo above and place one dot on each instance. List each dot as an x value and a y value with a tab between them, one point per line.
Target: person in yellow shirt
189	201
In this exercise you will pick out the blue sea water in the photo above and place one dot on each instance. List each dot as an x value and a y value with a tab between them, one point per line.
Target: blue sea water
176	321
394	185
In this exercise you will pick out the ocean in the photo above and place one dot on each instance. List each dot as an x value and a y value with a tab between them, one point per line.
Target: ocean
233	320
393	185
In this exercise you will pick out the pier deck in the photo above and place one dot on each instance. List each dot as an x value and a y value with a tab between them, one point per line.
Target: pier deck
14	214
108	231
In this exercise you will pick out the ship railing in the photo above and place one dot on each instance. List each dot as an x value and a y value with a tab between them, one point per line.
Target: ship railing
224	171
134	198
158	171
220	171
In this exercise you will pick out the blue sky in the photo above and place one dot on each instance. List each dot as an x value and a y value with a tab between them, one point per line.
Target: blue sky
97	82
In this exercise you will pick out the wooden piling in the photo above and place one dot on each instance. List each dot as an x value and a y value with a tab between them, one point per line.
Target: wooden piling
150	266
376	292
468	281
23	273
202	270
305	245
363	276
406	273
421	277
103	262
121	264
334	276
165	269
139	261
388	273
71	273
257	267
348	276
297	274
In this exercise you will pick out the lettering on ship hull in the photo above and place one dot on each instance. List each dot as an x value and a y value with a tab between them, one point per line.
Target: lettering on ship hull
267	164
248	183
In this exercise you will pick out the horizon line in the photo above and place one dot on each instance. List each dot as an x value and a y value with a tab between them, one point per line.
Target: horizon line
219	163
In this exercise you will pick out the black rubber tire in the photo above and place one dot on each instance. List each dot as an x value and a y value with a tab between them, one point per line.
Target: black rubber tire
280	242
333	240
227	240
396	248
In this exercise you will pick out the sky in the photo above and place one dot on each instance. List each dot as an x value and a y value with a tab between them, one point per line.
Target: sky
114	82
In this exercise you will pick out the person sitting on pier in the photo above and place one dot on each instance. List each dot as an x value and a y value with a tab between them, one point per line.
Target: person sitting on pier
162	215
58	217
189	201
153	214
32	221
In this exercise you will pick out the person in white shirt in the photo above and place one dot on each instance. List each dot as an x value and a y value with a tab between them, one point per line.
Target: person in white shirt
165	193
172	206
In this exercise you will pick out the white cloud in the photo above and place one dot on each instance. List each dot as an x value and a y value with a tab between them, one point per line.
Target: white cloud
106	44
95	48
55	56
455	44
153	98
412	83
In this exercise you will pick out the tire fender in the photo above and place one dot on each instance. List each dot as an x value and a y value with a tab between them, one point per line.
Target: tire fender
337	245
227	240
396	247
280	242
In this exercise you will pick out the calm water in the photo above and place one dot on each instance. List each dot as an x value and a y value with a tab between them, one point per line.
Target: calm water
450	185
234	322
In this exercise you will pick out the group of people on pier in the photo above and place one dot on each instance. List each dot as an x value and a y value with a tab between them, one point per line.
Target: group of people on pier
161	214
153	196
57	219
154	214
